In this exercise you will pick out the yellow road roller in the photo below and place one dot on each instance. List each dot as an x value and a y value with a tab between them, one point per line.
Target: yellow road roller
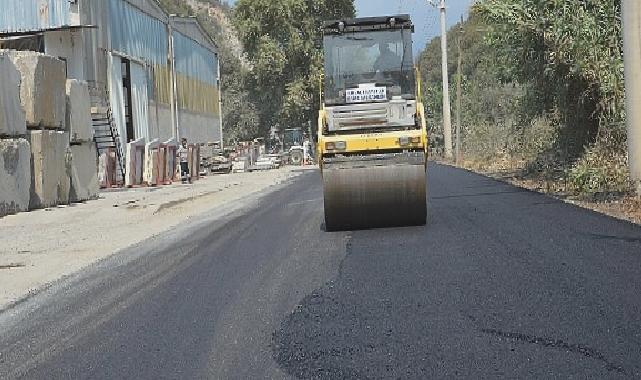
372	137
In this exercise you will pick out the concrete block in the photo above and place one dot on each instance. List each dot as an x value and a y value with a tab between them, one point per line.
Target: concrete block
51	167
15	176
12	118
42	88
84	172
78	115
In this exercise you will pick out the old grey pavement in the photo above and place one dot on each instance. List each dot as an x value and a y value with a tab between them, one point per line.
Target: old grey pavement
501	283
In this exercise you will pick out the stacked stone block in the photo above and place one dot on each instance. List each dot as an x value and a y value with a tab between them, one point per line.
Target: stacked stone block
15	157
42	97
78	111
84	172
51	158
84	157
42	89
12	116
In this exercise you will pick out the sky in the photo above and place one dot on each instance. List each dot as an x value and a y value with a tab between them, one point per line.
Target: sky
424	16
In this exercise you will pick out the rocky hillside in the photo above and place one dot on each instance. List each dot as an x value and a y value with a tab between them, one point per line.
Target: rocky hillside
218	16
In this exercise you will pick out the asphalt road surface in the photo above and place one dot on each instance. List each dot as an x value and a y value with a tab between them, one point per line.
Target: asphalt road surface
502	283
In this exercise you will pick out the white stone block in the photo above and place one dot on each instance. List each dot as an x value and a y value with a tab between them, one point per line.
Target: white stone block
103	163
15	176
12	118
194	161
42	88
153	163
171	163
84	172
78	115
51	158
135	162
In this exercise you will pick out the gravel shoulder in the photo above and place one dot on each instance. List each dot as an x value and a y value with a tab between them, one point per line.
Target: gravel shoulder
43	246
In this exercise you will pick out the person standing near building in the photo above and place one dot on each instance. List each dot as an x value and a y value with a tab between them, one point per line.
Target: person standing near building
183	157
307	150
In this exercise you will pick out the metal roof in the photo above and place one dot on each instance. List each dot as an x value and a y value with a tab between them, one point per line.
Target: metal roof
19	16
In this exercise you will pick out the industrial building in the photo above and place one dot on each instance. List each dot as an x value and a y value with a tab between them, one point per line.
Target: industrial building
151	75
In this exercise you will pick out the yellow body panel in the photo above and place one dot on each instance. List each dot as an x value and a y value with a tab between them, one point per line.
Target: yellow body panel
359	143
374	141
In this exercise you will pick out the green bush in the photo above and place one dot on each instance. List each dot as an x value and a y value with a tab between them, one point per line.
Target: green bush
542	88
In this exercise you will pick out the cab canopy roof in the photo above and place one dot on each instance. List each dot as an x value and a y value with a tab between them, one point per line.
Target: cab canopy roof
368	24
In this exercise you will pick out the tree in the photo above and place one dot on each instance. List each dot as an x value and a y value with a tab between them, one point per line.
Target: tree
569	44
283	42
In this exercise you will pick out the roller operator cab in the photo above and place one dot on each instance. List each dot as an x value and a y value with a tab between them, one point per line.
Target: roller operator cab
372	133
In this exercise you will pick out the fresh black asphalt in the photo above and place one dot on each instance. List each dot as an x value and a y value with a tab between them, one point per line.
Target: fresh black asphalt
501	283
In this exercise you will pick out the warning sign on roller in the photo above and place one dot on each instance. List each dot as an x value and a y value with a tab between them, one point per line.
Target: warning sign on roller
364	95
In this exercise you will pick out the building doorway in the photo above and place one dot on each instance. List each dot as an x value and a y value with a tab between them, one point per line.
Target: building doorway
129	95
126	91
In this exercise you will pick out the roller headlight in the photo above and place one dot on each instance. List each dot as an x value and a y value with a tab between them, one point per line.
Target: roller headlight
336	145
406	141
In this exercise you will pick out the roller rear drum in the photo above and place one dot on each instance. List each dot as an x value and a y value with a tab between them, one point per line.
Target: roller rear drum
375	191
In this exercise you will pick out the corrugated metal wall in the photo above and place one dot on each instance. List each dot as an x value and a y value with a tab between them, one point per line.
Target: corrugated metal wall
197	96
162	84
194	60
196	76
137	34
145	38
33	15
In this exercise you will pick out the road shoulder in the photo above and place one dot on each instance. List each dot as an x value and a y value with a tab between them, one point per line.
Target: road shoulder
43	246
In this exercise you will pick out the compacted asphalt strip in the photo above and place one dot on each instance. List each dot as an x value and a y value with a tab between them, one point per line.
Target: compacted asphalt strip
501	283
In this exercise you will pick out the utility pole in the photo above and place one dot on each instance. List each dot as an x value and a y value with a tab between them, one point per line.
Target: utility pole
459	93
447	113
631	16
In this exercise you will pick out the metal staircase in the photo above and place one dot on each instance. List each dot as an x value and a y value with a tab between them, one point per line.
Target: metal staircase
107	137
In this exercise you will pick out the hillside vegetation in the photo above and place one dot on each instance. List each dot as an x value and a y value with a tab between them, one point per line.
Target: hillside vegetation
543	91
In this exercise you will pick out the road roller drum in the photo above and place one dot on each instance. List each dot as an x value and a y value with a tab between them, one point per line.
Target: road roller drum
386	190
